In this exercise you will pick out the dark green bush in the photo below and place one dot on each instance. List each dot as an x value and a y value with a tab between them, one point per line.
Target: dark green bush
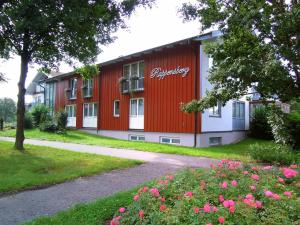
259	126
274	154
28	122
62	120
48	126
293	126
40	114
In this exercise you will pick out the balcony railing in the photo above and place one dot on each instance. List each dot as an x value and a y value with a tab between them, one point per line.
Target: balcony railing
133	85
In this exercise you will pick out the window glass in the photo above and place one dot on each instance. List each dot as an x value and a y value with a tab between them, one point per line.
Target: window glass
95	110
90	110
175	141
116	108
215	141
141	107
141	138
126	71
133	138
74	110
134	69
215	111
165	140
85	110
141	69
133	107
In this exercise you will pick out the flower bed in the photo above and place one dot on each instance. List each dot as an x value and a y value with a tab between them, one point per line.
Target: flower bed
226	194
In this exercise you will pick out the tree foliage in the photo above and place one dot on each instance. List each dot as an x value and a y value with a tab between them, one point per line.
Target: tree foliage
47	32
8	109
88	71
260	47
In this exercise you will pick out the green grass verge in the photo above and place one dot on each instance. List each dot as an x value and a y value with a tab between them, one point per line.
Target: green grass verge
94	213
237	151
42	166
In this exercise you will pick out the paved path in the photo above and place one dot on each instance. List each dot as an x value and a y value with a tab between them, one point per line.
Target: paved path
27	205
172	159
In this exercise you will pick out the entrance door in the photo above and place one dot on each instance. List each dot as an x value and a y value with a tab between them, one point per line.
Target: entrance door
136	118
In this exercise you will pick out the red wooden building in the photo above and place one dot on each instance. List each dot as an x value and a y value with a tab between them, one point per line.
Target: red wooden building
137	97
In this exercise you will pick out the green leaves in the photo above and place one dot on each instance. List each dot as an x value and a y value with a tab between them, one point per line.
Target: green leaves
260	47
88	71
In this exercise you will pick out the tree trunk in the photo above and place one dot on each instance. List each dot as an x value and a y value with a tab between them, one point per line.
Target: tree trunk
21	104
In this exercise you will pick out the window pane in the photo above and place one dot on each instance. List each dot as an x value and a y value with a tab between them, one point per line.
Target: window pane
133	138
233	109
133	107
165	140
74	110
117	108
176	141
90	110
242	110
237	109
85	110
71	111
141	107
141	69
126	71
95	110
134	69
141	138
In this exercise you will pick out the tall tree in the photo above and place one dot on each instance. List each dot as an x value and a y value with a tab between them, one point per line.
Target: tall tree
47	32
8	109
260	48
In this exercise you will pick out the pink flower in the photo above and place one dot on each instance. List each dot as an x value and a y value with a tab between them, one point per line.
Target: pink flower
249	196
268	193
231	209
196	210
255	177
162	199
170	177
215	209
221	198
245	172
224	185
276	197
208	224
289	173
258	204
162	208
154	192
122	210
206	208
280	180
298	185
188	194
287	193
136	198
228	203
234	183
221	219
294	166
115	221
141	214
267	167
253	188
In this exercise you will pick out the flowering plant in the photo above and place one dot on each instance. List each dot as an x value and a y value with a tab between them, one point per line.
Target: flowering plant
228	193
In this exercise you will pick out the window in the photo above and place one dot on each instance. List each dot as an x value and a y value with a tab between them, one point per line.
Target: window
137	107
87	88
73	88
214	141
136	138
90	110
49	97
71	110
116	108
170	140
134	76
215	111
238	110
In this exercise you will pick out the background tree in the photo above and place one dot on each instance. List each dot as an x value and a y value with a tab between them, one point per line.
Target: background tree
260	47
47	32
8	109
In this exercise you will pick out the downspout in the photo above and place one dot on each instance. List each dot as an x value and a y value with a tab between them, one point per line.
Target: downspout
99	102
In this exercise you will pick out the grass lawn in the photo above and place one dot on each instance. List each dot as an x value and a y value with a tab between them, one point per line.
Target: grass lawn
41	166
237	151
94	213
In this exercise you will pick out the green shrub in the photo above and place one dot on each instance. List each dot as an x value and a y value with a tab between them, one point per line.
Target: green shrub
293	126
28	121
40	114
48	126
62	120
274	154
228	193
259	126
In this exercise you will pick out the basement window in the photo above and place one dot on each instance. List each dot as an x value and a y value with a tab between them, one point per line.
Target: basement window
215	141
170	140
136	138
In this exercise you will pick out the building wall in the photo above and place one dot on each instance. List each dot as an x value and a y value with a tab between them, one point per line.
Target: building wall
162	98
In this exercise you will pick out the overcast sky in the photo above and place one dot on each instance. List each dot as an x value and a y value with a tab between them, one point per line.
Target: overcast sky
148	28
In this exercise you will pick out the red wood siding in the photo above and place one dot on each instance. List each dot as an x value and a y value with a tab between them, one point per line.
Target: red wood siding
162	98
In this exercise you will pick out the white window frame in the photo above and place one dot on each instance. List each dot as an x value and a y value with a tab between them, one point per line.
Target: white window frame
140	75
137	107
240	104
138	137
88	84
73	88
67	109
94	112
215	111
115	114
171	142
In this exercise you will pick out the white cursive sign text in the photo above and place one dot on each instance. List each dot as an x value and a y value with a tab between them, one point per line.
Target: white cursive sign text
161	74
